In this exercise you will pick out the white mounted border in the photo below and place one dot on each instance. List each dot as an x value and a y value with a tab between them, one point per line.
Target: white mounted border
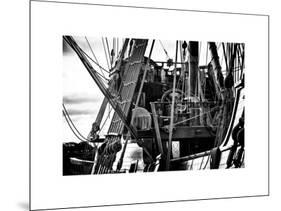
49	21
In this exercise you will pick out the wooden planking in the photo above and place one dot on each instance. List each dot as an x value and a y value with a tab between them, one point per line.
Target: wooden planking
130	79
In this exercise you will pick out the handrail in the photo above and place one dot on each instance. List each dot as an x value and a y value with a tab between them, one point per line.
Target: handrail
199	155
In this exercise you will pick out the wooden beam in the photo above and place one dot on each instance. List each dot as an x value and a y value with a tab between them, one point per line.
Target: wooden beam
101	111
193	68
219	80
172	114
156	128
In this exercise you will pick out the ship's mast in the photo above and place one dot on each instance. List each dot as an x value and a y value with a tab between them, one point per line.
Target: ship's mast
172	112
100	84
192	89
193	68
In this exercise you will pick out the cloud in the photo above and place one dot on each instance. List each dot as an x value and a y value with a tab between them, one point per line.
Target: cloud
81	107
79	112
79	99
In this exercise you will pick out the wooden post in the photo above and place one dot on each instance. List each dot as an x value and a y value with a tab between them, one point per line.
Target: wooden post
193	67
101	111
156	127
193	78
218	80
172	113
192	89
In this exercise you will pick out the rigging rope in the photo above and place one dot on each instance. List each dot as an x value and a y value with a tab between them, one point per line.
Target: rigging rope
164	49
102	77
94	55
72	126
106	79
214	108
93	60
207	162
95	63
107	117
203	158
108	51
104	48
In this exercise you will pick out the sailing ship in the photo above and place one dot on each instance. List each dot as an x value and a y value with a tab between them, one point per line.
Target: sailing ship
184	116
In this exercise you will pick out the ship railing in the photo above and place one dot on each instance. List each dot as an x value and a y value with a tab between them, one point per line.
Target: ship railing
193	115
78	161
202	154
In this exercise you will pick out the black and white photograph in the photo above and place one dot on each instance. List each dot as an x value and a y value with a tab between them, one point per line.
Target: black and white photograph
136	105
146	104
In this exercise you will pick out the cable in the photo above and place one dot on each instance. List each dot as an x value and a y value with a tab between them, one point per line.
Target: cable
104	48
95	62
214	108
164	49
68	119
110	109
71	124
104	78
203	158
106	41
94	55
207	161
72	128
